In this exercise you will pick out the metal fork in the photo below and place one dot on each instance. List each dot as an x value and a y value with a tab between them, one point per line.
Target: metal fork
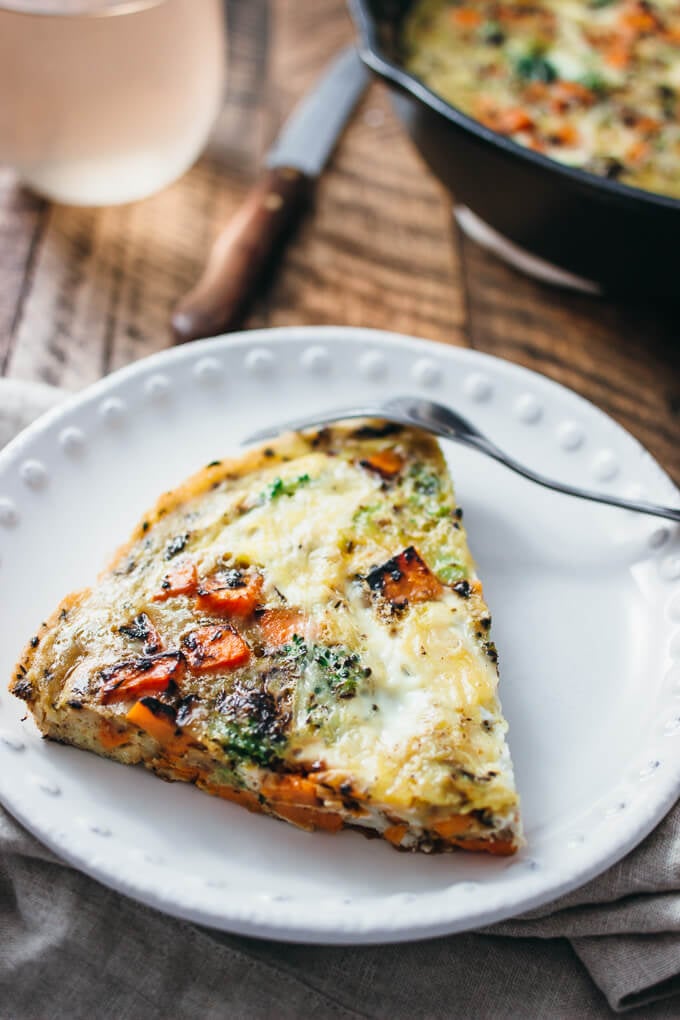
442	421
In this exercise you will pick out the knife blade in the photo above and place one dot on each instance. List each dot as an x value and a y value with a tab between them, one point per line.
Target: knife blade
247	244
310	133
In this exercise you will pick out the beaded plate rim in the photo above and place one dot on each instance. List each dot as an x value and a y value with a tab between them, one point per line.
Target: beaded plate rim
90	844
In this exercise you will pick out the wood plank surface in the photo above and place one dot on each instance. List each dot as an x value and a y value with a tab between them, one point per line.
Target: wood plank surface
21	220
623	357
85	291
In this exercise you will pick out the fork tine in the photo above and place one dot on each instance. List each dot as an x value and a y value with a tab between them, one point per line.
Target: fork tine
443	421
311	420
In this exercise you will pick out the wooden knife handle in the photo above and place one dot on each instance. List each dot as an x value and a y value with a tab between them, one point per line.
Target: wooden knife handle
240	254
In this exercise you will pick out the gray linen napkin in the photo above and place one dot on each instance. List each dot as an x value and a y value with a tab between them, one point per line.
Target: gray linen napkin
71	948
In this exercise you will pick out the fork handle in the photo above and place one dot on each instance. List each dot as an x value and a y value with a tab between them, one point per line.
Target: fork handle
638	506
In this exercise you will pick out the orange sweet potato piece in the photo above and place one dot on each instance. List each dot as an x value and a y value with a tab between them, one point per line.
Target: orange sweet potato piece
565	94
637	151
110	737
292	789
214	647
513	120
155	719
246	798
466	17
279	625
497	847
618	54
230	594
453	826
566	134
535	91
183	773
638	20
405	578
181	580
648	125
386	463
395	833
149	674
306	817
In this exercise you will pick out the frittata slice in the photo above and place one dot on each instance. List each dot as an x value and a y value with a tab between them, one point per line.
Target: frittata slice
300	631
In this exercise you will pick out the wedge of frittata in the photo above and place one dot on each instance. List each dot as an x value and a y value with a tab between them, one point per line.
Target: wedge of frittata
302	632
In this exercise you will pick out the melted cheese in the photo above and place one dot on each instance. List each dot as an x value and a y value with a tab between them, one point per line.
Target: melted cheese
297	537
427	674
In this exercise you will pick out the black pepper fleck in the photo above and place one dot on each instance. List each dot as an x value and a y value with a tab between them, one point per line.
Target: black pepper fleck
176	545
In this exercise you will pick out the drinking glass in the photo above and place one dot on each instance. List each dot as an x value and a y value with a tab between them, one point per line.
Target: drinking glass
104	102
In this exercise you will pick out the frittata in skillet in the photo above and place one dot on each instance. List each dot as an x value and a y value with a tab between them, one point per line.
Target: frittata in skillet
302	632
591	83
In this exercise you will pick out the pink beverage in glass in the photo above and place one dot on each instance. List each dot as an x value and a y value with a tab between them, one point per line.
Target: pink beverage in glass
107	102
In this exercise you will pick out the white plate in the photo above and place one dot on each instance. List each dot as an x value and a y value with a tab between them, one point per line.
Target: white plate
586	603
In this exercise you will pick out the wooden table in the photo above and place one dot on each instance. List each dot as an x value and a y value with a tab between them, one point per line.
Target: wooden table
85	291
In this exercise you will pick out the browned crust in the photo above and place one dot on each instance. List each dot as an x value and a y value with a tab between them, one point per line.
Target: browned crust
207	478
314	808
25	663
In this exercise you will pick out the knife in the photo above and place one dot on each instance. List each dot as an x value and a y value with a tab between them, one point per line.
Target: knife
248	242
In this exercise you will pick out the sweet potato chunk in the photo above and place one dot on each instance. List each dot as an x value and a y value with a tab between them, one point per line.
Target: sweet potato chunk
466	17
497	847
307	818
403	579
230	594
110	737
395	833
149	674
155	719
279	625
386	463
180	773
217	646
181	580
456	825
291	789
246	798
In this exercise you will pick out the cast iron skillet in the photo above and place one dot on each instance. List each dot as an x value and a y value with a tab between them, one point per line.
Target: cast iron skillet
625	239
